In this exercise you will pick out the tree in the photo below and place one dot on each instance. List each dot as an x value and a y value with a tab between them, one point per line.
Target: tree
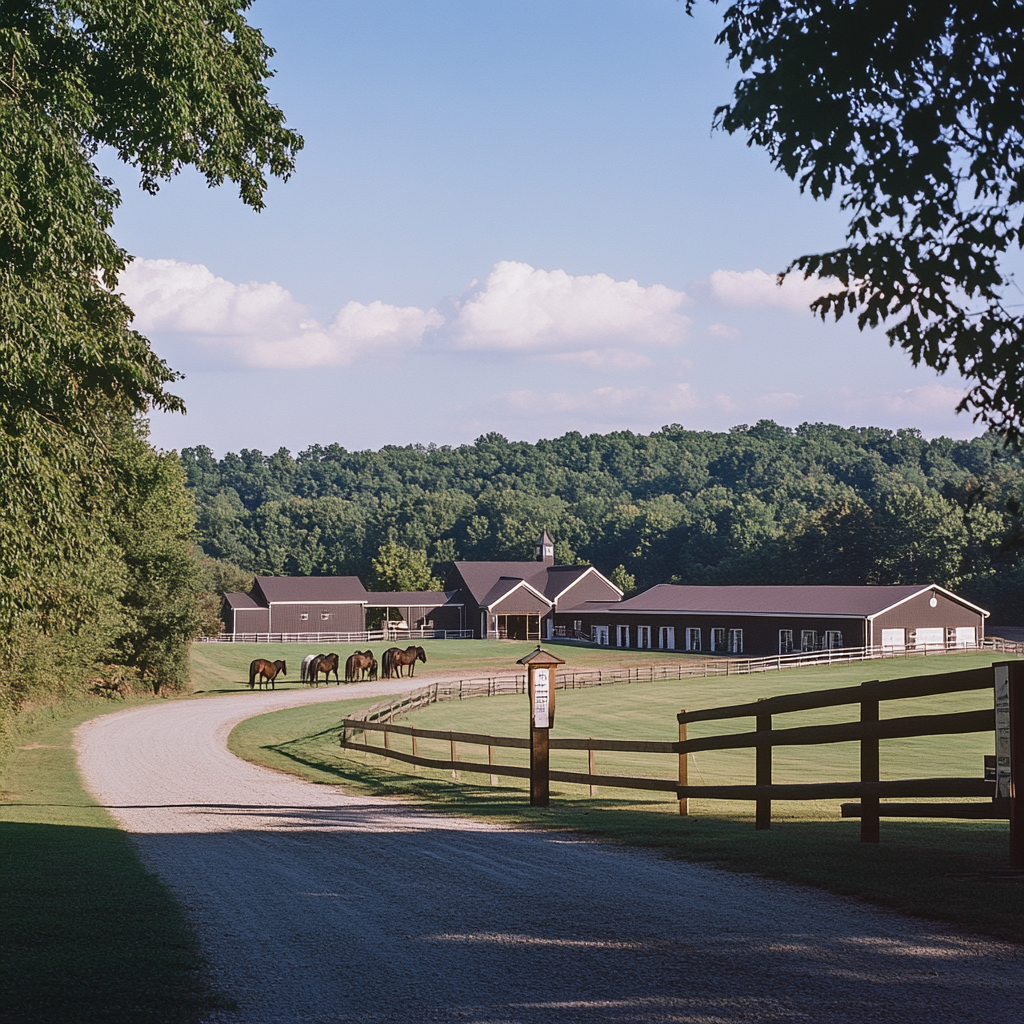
397	567
912	111
165	85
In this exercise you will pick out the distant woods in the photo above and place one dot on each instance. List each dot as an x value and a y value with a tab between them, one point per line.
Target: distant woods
759	504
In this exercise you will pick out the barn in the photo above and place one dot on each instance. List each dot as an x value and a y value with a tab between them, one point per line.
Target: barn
520	600
331	604
760	621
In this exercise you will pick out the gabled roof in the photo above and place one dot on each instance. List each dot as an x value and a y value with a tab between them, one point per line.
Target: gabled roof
311	589
237	601
831	601
562	578
481	577
548	581
505	586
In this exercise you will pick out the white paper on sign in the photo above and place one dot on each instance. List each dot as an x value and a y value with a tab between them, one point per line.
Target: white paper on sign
541	697
1002	696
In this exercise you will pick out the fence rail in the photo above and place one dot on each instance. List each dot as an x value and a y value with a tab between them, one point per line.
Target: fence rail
868	731
366	636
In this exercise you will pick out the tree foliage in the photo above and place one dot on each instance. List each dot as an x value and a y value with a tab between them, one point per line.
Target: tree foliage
759	504
397	567
94	540
913	113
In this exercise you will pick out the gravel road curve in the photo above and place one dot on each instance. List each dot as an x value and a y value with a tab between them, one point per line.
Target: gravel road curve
314	906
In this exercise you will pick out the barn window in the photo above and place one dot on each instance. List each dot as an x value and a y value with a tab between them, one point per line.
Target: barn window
667	638
622	636
833	639
643	637
303	616
718	639
693	638
785	641
324	616
735	641
808	639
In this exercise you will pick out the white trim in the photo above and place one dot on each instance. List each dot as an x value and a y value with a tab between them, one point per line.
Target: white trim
311	601
513	589
931	586
583	576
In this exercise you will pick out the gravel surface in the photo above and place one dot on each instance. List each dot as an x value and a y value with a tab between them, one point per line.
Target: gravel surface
317	906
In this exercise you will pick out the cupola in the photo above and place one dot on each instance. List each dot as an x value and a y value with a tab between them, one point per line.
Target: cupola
544	551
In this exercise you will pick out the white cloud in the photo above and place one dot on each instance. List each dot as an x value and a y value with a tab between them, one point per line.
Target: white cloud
260	324
636	402
519	307
756	288
723	331
623	359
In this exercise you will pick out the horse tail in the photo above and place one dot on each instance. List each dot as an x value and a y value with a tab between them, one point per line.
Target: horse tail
252	675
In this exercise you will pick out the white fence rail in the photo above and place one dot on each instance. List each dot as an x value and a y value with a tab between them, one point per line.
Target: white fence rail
365	637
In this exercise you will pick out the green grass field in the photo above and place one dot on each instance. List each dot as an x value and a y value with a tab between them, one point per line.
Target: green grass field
933	868
226	666
88	934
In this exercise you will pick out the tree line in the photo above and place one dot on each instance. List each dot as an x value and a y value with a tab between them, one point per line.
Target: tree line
755	505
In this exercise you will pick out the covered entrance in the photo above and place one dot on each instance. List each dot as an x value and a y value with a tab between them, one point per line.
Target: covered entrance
518	627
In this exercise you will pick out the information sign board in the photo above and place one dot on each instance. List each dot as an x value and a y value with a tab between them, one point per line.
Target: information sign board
541	697
1002	696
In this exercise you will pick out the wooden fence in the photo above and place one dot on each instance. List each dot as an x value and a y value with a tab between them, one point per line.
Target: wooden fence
364	637
868	730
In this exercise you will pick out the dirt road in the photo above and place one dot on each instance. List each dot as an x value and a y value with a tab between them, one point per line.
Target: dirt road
315	906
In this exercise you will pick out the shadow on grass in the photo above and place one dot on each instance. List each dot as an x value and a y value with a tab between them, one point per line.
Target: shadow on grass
953	871
89	935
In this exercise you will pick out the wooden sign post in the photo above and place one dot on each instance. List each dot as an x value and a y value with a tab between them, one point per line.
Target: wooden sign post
541	667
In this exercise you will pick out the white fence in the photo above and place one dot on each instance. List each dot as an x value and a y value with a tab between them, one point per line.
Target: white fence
365	637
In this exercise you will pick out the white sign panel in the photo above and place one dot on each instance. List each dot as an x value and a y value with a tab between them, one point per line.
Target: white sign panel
541	697
1002	731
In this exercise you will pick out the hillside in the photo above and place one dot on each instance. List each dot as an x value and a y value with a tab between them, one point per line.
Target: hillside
758	504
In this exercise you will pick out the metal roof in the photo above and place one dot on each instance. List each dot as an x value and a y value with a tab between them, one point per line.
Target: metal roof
237	601
407	598
481	578
838	601
312	589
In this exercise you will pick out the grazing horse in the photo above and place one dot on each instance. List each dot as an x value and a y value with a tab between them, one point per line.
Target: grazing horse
326	663
267	671
358	665
304	671
394	660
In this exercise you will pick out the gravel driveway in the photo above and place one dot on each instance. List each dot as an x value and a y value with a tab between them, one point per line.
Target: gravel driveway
317	906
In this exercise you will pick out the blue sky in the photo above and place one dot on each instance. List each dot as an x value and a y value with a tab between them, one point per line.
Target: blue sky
510	215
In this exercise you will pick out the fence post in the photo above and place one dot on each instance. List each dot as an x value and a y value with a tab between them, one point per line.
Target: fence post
869	762
763	771
684	802
490	760
592	767
387	742
455	757
412	736
1016	694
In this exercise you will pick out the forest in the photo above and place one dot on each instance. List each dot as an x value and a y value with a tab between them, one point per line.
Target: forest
757	504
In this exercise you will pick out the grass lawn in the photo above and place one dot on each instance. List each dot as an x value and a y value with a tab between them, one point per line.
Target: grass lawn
933	868
226	666
88	934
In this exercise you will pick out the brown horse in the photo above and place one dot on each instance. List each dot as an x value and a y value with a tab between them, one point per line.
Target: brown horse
326	663
394	660
267	671
358	665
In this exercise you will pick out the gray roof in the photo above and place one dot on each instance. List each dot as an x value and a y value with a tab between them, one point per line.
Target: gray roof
314	589
240	601
859	602
482	578
407	598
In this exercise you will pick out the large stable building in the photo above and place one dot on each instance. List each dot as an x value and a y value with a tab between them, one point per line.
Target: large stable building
779	620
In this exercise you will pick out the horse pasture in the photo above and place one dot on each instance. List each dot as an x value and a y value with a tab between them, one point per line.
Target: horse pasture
218	667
